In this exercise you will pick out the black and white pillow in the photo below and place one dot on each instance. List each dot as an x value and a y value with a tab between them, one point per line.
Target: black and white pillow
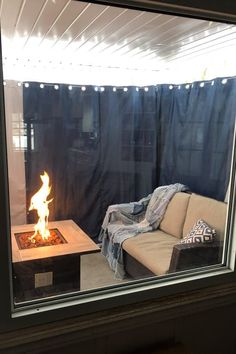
200	233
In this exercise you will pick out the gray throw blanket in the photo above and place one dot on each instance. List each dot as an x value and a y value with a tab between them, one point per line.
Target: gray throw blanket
123	221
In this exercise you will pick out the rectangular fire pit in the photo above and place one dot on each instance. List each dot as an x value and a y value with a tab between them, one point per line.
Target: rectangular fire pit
49	269
23	239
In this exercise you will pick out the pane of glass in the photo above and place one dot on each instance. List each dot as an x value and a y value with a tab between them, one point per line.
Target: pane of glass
133	110
15	125
16	142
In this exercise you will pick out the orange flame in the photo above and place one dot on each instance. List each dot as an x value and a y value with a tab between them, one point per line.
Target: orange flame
40	203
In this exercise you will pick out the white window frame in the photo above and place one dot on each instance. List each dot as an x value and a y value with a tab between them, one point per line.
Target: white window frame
138	291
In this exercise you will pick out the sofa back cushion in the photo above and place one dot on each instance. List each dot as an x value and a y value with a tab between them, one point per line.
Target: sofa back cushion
212	211
175	214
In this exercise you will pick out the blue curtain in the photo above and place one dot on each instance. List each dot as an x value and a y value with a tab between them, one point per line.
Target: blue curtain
196	126
102	147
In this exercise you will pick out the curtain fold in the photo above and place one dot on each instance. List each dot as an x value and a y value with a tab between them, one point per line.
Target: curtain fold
128	144
197	125
103	147
66	145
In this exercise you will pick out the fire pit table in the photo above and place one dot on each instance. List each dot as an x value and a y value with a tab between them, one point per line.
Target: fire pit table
46	270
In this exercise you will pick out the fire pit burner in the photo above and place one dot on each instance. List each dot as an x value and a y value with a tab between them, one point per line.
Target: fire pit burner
24	242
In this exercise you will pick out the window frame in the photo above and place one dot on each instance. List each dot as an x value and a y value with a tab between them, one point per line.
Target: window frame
148	289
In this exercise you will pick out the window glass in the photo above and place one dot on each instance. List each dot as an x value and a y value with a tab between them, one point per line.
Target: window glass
119	135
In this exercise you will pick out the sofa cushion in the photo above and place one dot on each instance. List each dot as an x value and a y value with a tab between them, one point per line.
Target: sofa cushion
213	212
152	249
200	233
175	214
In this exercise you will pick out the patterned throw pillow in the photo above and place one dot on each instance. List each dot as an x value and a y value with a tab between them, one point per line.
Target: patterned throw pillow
200	233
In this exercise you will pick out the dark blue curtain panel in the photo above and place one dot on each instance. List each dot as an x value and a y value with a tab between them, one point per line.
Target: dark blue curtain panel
115	145
196	125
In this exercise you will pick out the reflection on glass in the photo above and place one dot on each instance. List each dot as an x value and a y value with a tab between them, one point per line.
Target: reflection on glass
137	172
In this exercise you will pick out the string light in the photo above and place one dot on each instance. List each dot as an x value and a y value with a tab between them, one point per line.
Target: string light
4	83
125	89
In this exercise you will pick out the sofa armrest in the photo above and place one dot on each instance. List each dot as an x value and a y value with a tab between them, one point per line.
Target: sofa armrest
193	255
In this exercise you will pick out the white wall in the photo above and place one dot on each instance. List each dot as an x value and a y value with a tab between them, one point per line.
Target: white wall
16	167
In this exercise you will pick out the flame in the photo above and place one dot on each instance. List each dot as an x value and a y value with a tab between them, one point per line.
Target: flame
40	203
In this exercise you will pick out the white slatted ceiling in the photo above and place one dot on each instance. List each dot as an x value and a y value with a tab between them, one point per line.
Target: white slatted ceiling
25	23
112	27
73	28
9	15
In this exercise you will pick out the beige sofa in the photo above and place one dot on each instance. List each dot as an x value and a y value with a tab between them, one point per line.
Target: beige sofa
159	252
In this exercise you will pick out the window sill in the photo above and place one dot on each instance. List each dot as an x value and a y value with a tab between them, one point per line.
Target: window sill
104	323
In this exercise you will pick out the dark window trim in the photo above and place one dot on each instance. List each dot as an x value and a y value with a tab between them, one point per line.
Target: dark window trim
122	297
206	10
110	322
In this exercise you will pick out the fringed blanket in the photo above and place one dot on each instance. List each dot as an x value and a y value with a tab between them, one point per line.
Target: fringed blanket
123	221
